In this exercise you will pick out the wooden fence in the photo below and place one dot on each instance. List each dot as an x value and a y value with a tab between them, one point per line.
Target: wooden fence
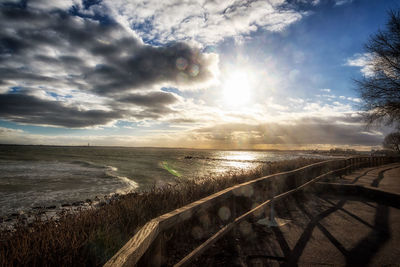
217	214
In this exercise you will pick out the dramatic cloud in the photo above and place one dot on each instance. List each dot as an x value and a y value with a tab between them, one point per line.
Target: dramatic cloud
148	72
344	130
205	22
55	55
56	48
177	64
32	110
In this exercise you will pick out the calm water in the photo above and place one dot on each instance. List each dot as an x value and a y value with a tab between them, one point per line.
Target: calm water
43	176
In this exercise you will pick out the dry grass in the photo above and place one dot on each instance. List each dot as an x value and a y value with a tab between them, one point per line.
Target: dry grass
91	237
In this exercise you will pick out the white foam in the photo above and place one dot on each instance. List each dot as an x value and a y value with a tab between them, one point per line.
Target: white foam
112	168
129	182
132	184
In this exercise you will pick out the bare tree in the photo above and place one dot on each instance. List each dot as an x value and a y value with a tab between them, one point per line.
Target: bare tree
392	141
380	89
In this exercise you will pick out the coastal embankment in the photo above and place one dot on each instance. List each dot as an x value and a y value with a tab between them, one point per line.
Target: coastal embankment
91	237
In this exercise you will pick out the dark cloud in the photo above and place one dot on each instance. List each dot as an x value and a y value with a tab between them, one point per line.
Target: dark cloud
8	74
344	130
177	63
56	51
32	110
151	99
121	62
23	108
62	60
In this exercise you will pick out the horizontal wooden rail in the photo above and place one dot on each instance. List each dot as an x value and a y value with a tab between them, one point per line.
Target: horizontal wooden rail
200	249
149	239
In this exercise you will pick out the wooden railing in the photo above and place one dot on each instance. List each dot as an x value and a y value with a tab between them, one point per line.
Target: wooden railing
223	210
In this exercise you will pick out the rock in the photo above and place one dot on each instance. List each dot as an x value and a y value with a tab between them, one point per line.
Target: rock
115	196
51	207
65	205
14	214
77	203
37	208
88	200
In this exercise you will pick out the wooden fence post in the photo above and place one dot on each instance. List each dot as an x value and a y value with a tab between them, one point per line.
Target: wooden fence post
155	256
351	161
348	163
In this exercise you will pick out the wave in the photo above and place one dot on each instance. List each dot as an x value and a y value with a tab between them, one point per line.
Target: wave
132	184
111	171
112	168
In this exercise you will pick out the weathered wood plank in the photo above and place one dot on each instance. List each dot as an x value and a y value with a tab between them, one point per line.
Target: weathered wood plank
134	249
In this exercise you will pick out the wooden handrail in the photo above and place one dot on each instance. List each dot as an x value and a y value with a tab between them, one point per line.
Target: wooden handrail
136	246
196	252
140	243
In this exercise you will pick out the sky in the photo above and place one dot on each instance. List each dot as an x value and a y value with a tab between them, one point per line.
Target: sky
259	74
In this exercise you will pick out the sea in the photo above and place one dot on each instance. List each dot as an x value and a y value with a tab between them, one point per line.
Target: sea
43	176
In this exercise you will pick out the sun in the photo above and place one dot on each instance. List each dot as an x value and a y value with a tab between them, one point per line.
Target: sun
237	89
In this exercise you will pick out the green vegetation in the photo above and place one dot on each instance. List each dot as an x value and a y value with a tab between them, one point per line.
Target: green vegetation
91	237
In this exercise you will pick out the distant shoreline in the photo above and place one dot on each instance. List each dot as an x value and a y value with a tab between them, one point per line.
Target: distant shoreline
185	148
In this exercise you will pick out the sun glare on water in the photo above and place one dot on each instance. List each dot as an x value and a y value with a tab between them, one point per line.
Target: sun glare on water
237	89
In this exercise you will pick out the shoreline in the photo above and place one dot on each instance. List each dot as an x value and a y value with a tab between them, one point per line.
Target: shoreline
53	211
92	236
27	217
